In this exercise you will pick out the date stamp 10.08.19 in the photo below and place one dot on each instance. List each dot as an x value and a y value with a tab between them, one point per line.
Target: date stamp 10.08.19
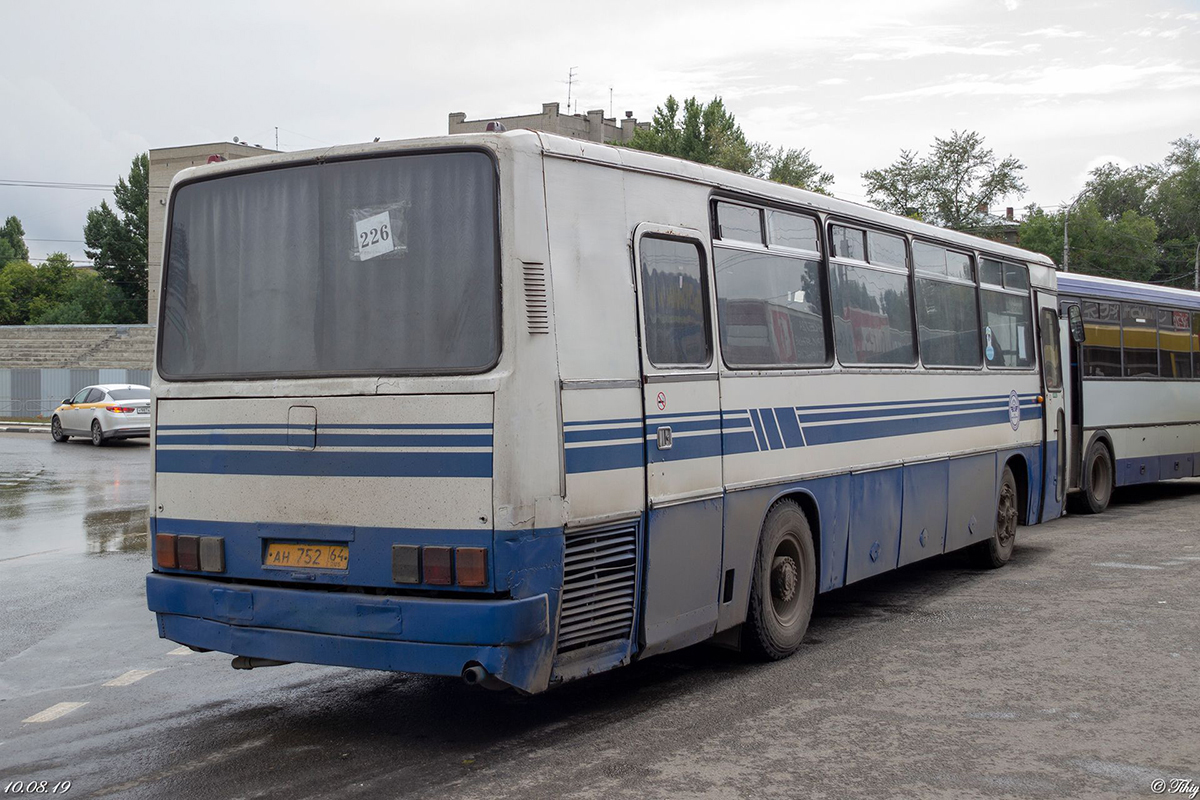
36	787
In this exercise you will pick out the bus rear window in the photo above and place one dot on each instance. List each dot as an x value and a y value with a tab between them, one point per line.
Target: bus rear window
366	267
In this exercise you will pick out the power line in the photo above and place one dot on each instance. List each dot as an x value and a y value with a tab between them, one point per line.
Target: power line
91	187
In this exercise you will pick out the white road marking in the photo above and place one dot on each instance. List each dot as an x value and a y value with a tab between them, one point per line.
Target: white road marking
1188	558
133	676
181	651
1122	565
54	712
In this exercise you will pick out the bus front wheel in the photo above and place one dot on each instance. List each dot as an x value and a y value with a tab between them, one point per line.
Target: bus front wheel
1098	476
997	550
783	585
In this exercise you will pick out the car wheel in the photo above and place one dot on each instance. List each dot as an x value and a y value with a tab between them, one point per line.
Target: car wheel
783	585
97	433
998	549
56	432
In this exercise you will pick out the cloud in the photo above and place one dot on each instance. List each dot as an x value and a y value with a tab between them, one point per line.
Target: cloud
1055	32
906	48
1057	81
832	82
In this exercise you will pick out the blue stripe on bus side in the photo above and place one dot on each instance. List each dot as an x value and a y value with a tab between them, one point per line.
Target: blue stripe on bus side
739	442
688	447
749	441
885	403
758	429
602	434
326	463
332	439
604	457
878	429
833	416
771	428
789	427
416	426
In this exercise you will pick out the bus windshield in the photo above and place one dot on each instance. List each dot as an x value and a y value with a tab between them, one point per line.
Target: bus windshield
364	267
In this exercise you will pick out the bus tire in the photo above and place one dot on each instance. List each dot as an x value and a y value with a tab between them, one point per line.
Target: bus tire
783	585
1098	474
998	548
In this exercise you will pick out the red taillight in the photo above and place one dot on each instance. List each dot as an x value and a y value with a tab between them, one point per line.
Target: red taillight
470	566
164	551
436	565
119	409
188	548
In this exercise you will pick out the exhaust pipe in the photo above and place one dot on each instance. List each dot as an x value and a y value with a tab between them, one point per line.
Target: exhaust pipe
475	675
245	662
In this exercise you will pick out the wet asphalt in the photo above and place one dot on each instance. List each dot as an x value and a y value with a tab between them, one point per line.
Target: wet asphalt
1072	672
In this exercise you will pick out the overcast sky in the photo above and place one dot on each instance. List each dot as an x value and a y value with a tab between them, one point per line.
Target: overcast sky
1064	86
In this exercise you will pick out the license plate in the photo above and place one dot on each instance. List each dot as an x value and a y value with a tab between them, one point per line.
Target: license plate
307	556
143	411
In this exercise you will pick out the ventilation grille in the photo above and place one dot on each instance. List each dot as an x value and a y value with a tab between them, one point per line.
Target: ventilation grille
599	582
535	298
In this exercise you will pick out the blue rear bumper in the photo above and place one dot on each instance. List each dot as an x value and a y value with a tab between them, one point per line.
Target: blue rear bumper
510	638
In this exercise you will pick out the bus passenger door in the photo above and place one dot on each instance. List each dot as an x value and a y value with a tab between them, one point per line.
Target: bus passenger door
682	415
1056	455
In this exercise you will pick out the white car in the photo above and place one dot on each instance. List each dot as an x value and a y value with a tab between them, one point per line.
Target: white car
101	413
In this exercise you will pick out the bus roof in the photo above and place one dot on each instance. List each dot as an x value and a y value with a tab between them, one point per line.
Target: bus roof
1095	286
625	158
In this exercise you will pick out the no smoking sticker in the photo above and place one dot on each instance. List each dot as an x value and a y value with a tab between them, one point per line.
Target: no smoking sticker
662	401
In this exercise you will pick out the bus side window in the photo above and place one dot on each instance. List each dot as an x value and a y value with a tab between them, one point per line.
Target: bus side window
1007	314
675	301
1174	344
1139	340
1102	350
1196	345
872	305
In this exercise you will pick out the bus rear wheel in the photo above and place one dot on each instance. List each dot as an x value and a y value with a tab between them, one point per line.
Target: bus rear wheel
783	585
998	549
1098	481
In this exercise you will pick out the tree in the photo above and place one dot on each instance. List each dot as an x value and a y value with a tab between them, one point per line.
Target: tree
1168	193
951	187
12	242
899	188
708	134
117	243
88	300
1114	248
794	168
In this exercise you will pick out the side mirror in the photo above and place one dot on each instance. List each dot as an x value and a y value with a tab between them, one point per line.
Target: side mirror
1075	321
66	402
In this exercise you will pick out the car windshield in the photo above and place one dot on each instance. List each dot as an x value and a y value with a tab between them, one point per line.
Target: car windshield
136	393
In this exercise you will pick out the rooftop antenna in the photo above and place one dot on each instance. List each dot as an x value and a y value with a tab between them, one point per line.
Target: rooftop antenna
570	81
276	137
610	104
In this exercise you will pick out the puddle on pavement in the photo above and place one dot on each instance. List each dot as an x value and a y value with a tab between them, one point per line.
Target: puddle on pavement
16	486
122	530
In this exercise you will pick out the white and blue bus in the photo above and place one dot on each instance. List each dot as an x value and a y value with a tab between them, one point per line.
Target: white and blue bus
523	408
1135	416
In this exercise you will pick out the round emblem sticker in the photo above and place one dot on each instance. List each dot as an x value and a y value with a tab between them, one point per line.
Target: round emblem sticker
661	401
989	351
1014	410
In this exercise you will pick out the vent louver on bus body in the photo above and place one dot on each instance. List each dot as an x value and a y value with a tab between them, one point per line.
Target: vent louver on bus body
599	587
535	298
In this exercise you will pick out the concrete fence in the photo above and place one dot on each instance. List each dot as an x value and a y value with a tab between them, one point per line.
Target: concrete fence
41	365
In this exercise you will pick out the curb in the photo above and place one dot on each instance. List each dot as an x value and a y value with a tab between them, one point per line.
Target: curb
25	429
